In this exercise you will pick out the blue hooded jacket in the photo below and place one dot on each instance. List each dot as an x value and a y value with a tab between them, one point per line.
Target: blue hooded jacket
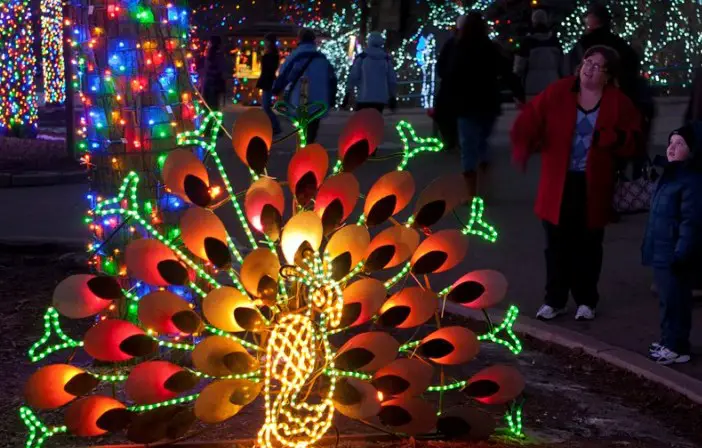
674	231
322	81
373	74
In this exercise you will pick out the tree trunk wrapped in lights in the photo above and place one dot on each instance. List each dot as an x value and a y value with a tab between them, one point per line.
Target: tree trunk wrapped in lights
204	334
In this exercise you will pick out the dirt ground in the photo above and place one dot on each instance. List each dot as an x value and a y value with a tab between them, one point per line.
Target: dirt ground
572	400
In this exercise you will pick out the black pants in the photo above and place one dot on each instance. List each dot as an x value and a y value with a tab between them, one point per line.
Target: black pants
312	130
380	107
573	251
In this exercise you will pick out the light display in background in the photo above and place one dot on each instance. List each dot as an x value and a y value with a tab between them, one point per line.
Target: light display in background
52	60
442	17
208	326
18	102
426	60
339	45
246	54
664	35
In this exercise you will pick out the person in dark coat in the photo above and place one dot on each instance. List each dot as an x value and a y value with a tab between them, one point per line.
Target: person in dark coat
538	61
672	244
444	117
214	82
598	33
579	125
477	68
269	67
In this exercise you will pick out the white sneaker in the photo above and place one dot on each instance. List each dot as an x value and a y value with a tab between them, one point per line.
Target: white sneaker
654	347
547	312
584	313
666	357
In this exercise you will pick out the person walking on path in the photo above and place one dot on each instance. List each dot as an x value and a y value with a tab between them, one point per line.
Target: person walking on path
672	244
214	83
474	82
269	67
373	74
579	124
598	33
539	60
444	117
307	77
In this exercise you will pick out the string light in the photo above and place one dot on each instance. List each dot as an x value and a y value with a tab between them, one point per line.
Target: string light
52	51
477	225
514	420
513	343
51	327
413	145
18	103
38	432
174	401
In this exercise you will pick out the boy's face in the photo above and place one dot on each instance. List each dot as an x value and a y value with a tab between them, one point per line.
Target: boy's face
677	149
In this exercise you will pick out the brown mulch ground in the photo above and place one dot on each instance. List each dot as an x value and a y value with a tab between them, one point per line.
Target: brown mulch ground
573	400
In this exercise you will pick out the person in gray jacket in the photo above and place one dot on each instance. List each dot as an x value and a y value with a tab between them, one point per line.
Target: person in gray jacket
538	61
373	74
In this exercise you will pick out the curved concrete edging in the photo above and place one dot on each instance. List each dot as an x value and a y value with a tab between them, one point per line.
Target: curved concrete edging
619	357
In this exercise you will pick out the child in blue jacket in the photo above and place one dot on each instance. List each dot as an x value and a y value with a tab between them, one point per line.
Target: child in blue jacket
673	242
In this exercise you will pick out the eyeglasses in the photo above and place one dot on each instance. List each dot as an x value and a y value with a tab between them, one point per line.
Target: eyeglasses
596	67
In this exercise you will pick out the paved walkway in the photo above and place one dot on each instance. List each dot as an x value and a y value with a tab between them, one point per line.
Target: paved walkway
627	315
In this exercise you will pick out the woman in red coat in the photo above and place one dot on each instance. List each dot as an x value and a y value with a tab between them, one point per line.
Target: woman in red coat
579	125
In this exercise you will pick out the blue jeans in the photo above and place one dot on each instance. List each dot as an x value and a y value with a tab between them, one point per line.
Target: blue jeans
267	104
473	134
675	297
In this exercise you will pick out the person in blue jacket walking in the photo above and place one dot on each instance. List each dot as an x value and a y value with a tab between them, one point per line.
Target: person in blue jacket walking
373	74
307	77
673	242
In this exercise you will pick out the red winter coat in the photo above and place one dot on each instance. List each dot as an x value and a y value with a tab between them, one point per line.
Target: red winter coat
547	125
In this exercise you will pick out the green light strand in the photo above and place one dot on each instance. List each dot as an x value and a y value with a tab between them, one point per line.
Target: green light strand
254	376
197	138
111	378
477	225
512	343
174	401
131	182
222	333
51	326
413	145
447	387
513	417
37	432
397	277
337	167
409	346
348	374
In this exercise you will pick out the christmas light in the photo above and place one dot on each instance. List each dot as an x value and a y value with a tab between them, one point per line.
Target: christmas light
51	327
413	145
38	432
513	343
18	102
477	225
513	417
52	51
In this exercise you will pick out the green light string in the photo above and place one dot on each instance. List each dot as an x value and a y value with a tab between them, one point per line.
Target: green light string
253	376
197	138
111	378
358	268
337	167
513	417
348	374
413	145
38	432
397	277
237	254
130	182
51	326
447	387
222	333
174	401
512	343
477	225
409	346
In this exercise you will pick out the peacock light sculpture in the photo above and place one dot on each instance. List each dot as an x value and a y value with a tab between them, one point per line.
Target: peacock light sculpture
194	327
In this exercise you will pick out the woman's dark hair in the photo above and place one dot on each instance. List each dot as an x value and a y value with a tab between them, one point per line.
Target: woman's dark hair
611	57
474	27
